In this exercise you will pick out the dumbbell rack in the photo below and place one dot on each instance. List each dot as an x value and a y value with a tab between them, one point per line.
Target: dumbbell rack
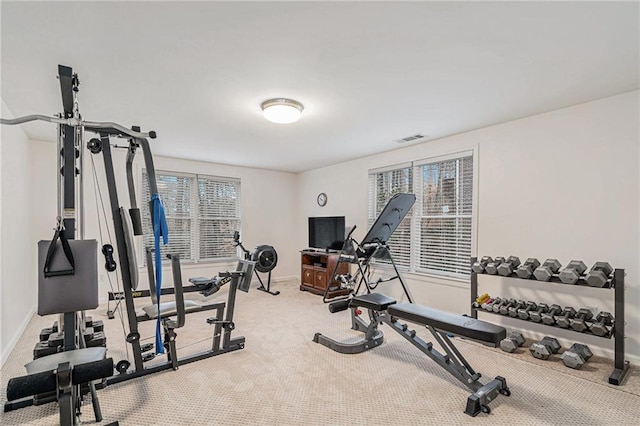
621	366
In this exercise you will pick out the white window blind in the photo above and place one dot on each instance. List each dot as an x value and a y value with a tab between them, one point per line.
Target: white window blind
219	205
435	236
202	214
383	185
444	220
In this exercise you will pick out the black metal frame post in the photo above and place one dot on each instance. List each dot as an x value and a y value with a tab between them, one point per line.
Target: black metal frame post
65	75
122	250
474	289
621	366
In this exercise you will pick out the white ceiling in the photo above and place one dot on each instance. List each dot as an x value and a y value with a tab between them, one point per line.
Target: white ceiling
367	73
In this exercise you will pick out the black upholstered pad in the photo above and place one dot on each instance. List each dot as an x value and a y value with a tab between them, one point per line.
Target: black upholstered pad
446	321
375	301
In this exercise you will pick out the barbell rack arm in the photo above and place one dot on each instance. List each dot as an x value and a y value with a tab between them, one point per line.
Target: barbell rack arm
114	129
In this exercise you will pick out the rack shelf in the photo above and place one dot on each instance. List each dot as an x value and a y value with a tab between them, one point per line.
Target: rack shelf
621	366
608	336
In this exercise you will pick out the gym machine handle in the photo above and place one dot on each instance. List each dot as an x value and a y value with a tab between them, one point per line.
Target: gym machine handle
115	128
67	252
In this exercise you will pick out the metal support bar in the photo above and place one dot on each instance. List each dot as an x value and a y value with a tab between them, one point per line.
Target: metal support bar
621	365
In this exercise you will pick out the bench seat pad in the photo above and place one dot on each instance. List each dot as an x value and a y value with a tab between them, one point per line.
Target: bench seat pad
446	321
168	309
375	301
75	357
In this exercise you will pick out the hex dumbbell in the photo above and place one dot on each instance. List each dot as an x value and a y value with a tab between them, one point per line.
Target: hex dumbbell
599	274
536	315
572	272
579	321
507	267
513	310
577	355
504	306
545	347
492	267
523	313
505	309
601	327
564	319
488	305
512	342
525	270
546	271
549	317
479	265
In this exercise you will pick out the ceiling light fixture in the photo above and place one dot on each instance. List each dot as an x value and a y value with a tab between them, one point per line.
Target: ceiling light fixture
282	111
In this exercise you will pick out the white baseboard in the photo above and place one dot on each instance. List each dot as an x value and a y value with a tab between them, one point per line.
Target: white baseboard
6	351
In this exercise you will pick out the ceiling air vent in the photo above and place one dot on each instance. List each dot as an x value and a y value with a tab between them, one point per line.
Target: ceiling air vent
412	138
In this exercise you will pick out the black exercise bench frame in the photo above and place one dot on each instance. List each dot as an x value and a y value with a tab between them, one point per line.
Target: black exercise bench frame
442	325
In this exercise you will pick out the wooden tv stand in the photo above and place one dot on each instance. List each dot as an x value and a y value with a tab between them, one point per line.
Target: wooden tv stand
317	267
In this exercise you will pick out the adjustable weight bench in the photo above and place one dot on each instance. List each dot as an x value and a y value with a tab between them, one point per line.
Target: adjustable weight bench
442	325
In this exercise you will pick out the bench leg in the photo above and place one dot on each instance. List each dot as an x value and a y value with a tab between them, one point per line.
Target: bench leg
479	401
349	348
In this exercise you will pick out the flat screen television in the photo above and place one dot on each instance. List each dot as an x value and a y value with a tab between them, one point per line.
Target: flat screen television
327	232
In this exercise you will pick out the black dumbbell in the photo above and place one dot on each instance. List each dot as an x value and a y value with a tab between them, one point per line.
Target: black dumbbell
504	304
513	310
545	347
564	319
507	267
488	305
492	267
479	265
572	272
525	270
599	274
546	271
579	322
504	308
601	327
523	313
536	315
549	317
512	342
577	355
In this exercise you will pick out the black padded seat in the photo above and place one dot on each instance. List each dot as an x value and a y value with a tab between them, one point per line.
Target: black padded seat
375	301
448	322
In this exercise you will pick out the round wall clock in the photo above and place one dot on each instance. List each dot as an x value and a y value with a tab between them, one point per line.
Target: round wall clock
322	199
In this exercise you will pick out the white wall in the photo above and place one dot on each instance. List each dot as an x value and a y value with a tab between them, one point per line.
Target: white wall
563	184
17	274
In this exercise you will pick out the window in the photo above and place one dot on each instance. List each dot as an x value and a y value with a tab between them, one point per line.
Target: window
382	185
202	214
435	237
444	216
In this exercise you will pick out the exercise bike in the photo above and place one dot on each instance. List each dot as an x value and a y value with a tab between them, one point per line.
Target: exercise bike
266	259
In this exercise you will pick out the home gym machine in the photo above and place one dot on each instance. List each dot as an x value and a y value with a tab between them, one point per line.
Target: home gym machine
126	226
266	259
373	247
67	267
442	325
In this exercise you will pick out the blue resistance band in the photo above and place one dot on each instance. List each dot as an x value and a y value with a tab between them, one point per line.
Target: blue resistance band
160	229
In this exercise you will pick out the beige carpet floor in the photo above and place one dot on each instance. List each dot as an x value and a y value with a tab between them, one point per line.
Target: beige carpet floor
283	378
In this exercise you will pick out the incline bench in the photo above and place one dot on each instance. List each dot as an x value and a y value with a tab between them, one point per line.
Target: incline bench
384	309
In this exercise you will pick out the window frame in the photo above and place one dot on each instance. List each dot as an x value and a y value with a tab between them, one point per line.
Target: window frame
195	214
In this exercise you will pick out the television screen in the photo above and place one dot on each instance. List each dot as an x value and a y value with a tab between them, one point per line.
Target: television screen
326	233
